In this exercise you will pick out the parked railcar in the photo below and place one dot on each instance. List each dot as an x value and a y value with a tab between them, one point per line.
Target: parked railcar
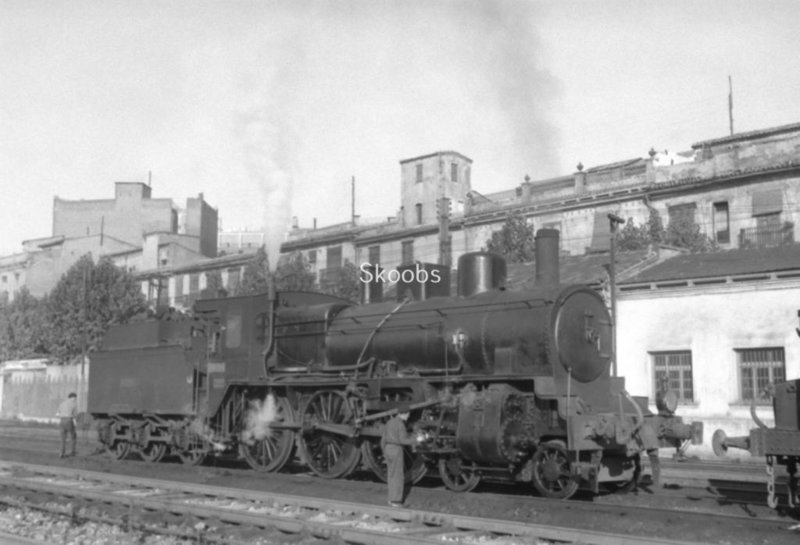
779	445
500	383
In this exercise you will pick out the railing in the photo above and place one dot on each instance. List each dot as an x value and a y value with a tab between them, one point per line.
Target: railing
763	237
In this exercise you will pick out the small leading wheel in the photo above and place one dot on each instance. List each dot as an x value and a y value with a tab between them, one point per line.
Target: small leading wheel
458	476
329	454
413	463
153	452
551	472
270	453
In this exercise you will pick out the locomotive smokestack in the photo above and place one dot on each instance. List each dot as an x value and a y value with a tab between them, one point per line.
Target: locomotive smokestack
547	257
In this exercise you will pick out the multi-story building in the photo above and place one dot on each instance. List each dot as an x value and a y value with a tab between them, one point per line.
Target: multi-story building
742	190
137	231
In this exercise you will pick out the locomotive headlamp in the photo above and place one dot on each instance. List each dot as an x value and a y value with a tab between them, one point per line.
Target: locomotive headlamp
666	401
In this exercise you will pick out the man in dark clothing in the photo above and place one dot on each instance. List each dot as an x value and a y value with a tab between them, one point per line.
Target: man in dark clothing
67	412
395	437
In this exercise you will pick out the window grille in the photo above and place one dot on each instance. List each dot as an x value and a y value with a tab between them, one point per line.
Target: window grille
759	367
676	367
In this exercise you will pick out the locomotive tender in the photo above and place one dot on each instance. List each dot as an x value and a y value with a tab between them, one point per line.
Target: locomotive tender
500	384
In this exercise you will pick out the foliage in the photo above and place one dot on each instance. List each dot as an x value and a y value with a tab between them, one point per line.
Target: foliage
293	273
22	326
655	227
255	278
682	232
347	284
632	237
87	299
214	286
514	241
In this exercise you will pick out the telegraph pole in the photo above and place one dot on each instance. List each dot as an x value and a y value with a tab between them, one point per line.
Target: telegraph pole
614	221
730	103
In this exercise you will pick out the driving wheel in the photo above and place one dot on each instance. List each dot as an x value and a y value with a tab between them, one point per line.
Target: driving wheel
271	452
328	453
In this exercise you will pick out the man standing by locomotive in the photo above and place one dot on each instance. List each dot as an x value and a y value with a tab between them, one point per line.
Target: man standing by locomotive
67	412
395	437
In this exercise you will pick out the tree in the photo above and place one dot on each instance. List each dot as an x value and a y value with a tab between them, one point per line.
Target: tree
23	326
214	286
88	298
347	285
255	278
632	237
683	232
293	273
515	240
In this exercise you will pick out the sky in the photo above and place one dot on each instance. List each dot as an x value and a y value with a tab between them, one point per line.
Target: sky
269	108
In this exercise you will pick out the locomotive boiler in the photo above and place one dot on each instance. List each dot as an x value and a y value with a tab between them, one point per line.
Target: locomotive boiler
500	384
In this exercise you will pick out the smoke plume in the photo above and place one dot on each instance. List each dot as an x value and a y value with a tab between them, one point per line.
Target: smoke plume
258	418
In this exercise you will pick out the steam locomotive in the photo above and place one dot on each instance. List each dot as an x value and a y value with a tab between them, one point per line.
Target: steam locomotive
500	384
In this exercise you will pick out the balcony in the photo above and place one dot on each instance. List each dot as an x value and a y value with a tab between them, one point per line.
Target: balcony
764	237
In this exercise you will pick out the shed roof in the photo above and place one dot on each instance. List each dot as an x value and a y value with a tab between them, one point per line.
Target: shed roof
729	263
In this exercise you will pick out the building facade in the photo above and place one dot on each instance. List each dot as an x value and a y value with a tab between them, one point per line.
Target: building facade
135	230
741	190
718	327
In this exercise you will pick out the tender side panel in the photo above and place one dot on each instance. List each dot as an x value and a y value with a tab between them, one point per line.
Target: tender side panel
156	380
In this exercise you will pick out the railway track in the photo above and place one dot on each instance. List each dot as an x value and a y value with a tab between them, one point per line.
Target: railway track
276	514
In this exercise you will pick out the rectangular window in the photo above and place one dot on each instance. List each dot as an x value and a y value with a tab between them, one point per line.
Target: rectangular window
178	285
408	252
419	173
722	230
312	257
374	255
233	280
676	368
418	208
334	258
768	221
233	330
194	283
759	367
682	212
453	172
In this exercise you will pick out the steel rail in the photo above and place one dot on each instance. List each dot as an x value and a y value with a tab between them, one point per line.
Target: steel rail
410	526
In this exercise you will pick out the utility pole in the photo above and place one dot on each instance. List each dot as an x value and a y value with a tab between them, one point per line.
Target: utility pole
614	221
730	103
353	200
445	239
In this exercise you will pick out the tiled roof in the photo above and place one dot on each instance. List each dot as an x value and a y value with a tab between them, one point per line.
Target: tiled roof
730	263
736	137
575	269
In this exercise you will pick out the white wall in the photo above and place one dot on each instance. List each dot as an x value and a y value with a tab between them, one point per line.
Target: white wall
711	322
